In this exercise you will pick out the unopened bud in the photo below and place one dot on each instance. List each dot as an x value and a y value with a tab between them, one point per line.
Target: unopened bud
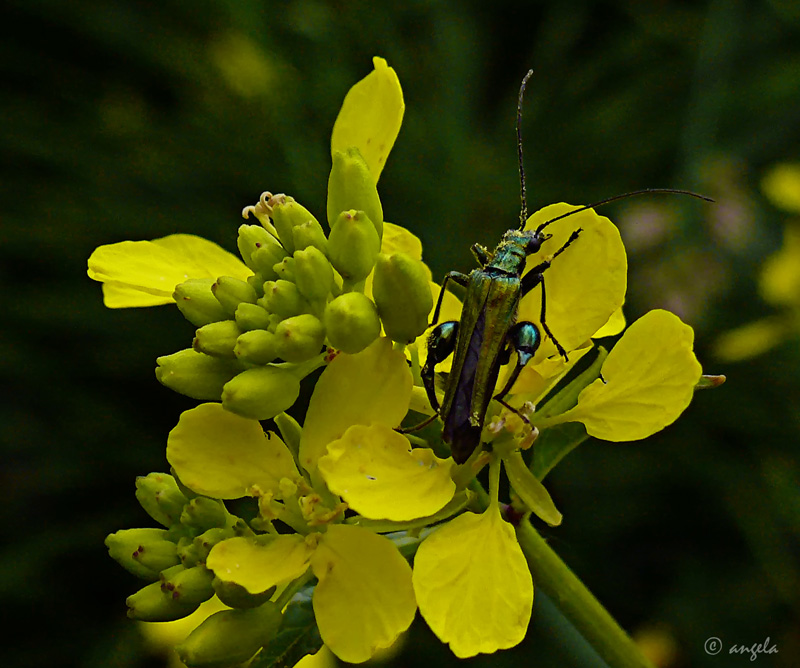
197	302
202	513
353	245
230	292
403	296
190	585
189	552
308	234
257	346
283	298
256	282
209	538
288	214
261	393
313	274
194	374
299	337
143	552
290	431
351	322
351	186
217	338
253	238
266	257
230	637
151	604
285	269
159	495
251	316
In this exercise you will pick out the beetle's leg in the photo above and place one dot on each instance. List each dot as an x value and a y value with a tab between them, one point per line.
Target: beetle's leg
441	343
458	277
536	277
525	338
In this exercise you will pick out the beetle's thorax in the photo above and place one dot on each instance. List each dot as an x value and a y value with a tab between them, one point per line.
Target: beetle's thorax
513	250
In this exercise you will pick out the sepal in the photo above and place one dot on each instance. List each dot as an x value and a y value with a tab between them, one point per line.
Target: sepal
351	186
143	552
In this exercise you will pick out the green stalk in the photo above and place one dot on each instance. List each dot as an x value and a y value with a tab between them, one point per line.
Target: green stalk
577	603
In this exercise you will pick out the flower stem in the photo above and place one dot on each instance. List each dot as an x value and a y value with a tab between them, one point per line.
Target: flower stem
577	603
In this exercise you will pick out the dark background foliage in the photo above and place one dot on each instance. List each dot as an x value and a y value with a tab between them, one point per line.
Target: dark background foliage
132	120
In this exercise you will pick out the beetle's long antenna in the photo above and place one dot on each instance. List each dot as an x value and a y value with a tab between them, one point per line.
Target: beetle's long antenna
523	213
669	191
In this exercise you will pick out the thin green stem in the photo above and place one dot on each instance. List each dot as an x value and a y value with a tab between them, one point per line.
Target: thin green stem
577	603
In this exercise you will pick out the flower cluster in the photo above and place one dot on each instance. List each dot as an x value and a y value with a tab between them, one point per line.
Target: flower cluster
342	504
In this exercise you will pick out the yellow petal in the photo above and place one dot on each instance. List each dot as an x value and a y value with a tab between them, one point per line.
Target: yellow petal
373	386
780	277
751	340
364	599
649	376
399	239
370	117
257	566
225	456
473	585
782	186
616	323
145	273
585	284
375	470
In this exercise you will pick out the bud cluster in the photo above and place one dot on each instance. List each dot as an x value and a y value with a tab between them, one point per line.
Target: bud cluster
257	339
173	559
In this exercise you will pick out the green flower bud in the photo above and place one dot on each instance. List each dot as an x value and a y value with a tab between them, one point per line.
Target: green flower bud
197	303
230	637
261	393
353	245
351	322
290	431
230	292
351	186
191	585
285	269
266	257
287	214
299	337
194	374
314	274
283	298
208	539
151	604
308	234
402	295
252	238
190	553
143	552
202	513
159	495
251	316
217	338
236	596
256	282
257	346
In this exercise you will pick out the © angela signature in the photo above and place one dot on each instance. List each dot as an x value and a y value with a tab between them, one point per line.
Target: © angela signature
715	646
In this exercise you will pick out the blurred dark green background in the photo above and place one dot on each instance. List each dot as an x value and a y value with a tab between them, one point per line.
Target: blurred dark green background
134	120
